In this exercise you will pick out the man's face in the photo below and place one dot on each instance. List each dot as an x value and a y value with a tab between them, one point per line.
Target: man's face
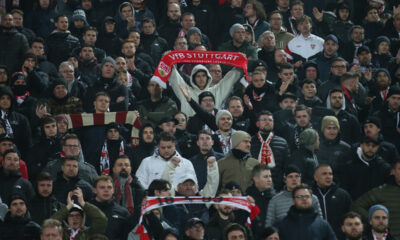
148	28
166	149
311	73
238	36
102	103
393	102
70	168
372	15
5	102
110	27
207	103
188	22
7	21
297	11
11	162
79	23
275	21
215	72
396	23
287	103
236	235
50	129
292	180
128	49
174	12
280	56
113	134
396	172
75	219
309	90
235	107
364	57
126	12
196	232
18	19
71	147
51	233
86	4
371	129
122	167
336	100
121	64
338	68
344	14
108	70
287	75
62	24
269	41
3	76
17	208
258	80
44	3
148	134
352	228
62	127
168	127
195	38
45	188
330	48
383	48
244	145
331	132
67	72
187	188
382	80
135	36
60	91
201	79
182	121
379	221
104	191
302	199
5	145
205	142
324	177
357	35
181	44
223	209
225	123
369	149
264	180
90	37
304	27
154	89
265	123
302	118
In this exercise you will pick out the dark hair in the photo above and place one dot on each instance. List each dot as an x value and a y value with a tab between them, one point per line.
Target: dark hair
233	227
264	112
87	45
274	12
223	191
44	176
347	76
48	120
335	90
301	107
296	2
259	9
308	81
11	150
339	59
37	39
299	187
60	16
69	158
71	136
351	214
257	169
284	66
235	98
105	178
184	114
90	28
268	231
206	132
102	94
159	185
148	20
166	137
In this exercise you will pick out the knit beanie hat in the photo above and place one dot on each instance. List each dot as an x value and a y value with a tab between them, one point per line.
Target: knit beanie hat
374	120
234	28
61	118
206	94
394	90
375	208
238	137
17	75
112	125
308	138
16	195
58	81
381	39
193	30
109	59
291	169
329	120
220	113
79	14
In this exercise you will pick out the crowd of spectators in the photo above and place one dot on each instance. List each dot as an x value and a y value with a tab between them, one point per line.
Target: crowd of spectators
311	136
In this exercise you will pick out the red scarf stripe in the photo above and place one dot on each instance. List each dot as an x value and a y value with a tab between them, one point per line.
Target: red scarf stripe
121	117
76	120
98	118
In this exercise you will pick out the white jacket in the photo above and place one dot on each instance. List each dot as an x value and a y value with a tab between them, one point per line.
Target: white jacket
154	166
220	91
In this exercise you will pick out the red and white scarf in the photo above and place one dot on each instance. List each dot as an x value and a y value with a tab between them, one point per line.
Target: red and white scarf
105	158
73	233
127	191
266	156
225	142
21	99
258	98
98	119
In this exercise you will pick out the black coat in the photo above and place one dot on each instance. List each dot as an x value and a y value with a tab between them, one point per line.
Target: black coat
19	228
270	100
154	45
350	130
199	162
13	182
281	155
306	161
169	31
201	118
118	225
332	151
62	186
389	125
42	208
60	45
13	46
304	225
334	202
186	143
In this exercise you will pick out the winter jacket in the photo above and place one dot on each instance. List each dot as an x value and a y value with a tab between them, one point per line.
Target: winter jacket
280	204
332	151
169	31
62	186
388	195
306	161
98	226
246	48
281	155
282	38
220	91
153	112
389	121
154	166
60	45
121	24
110	42
118	217
269	101
66	105
239	170
13	47
19	228
304	225
41	21
324	66
13	182
334	202
201	118
154	45
199	162
42	208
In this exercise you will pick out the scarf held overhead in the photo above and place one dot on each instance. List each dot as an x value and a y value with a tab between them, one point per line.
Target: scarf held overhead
164	68
98	119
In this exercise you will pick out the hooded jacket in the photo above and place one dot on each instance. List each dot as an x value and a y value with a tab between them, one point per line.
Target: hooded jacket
121	23
220	91
19	228
109	42
13	182
59	45
332	151
13	46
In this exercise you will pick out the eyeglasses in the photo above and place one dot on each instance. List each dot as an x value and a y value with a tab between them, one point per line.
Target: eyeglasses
302	196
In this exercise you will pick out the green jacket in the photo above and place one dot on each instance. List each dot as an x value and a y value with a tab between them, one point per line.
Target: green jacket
99	221
282	38
388	195
153	113
246	48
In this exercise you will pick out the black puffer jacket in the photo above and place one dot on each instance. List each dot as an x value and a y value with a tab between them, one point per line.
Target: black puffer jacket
19	228
154	45
281	155
350	130
60	45
389	121
334	202
306	161
13	46
12	182
62	186
332	151
42	208
269	101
